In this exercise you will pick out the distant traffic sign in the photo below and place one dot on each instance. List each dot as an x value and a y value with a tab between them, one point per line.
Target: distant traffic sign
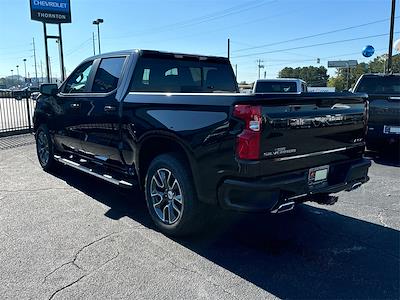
342	63
51	11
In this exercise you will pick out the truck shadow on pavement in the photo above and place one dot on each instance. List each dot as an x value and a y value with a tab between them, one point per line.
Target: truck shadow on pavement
308	253
391	158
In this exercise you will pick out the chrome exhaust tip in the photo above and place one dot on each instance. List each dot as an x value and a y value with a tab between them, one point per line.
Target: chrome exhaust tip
356	185
284	207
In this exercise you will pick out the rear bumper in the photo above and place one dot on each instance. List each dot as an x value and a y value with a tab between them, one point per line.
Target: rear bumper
265	194
377	140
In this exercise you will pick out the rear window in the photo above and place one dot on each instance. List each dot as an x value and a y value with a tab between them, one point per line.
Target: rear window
276	87
380	85
182	76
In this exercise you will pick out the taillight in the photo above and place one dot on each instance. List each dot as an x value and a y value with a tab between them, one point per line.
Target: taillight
248	141
366	116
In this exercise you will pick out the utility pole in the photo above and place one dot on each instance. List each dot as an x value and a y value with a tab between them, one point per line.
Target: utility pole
17	74
34	56
236	71
24	60
41	70
389	68
229	48
94	46
260	66
49	76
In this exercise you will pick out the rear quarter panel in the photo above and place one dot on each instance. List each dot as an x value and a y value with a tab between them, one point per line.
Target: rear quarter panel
200	123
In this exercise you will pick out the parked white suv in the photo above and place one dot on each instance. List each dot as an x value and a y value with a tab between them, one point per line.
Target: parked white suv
280	85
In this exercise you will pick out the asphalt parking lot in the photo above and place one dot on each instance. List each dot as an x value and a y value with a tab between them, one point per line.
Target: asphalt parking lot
69	236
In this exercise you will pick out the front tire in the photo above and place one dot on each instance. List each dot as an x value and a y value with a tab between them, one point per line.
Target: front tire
45	148
171	197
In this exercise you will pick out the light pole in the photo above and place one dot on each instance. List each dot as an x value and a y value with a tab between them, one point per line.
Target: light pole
389	62
259	66
98	22
12	77
17	74
24	60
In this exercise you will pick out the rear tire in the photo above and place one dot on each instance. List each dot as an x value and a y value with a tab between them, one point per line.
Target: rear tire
171	196
45	148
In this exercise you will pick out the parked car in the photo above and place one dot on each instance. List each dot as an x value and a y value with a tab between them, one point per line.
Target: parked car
34	92
5	93
280	85
384	110
20	93
175	126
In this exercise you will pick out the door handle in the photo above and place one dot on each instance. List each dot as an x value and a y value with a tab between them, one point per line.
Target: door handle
109	108
75	105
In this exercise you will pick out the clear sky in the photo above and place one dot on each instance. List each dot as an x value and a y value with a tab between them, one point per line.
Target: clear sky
268	27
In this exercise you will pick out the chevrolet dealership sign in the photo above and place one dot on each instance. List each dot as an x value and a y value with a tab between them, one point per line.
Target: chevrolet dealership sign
51	11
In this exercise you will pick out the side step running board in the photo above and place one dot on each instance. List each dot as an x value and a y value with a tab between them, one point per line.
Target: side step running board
108	178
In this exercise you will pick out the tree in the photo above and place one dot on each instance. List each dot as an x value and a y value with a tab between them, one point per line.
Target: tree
7	81
338	82
314	76
378	65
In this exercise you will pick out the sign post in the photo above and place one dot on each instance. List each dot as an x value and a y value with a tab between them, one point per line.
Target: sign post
347	64
53	12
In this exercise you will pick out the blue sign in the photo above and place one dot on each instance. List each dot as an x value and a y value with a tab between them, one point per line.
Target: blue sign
51	11
368	51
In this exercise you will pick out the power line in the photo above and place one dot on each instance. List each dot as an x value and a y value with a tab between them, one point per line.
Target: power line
322	58
311	36
81	46
199	20
269	17
314	45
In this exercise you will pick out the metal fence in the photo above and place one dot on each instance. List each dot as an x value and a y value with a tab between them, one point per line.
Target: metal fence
16	112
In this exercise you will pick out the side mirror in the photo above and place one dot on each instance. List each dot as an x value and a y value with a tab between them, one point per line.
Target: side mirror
49	89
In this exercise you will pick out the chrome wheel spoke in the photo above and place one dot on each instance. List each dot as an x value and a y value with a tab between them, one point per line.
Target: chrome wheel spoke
158	181
174	185
176	208
157	194
156	203
165	214
40	139
178	198
171	213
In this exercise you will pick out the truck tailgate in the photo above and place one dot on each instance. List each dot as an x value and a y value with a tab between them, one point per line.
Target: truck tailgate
311	125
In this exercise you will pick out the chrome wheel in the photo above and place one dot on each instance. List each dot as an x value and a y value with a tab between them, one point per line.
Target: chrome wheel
43	149
166	196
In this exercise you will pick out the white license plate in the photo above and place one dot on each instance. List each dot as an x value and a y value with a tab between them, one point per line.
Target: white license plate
391	129
318	175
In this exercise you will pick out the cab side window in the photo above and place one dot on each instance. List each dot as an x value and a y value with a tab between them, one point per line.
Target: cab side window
78	81
108	74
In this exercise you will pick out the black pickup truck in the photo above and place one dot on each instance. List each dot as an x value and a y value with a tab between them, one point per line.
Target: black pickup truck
176	126
384	110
